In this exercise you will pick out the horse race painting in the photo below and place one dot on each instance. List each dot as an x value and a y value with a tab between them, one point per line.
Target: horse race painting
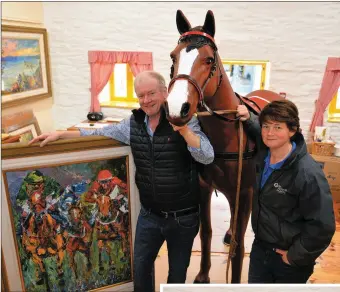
71	224
24	65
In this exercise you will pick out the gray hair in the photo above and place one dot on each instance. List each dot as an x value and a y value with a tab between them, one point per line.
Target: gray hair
153	74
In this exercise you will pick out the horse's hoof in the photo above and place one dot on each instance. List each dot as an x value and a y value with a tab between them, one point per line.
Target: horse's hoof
60	274
101	271
61	282
201	282
41	280
227	239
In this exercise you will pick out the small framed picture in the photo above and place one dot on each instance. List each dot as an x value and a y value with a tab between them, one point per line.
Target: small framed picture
24	124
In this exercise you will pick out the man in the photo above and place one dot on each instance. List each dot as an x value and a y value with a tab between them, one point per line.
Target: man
166	176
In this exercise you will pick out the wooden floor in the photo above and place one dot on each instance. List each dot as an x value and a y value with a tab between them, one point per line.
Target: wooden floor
327	268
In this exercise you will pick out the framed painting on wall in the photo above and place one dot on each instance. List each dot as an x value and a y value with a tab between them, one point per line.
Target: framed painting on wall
69	220
25	67
246	76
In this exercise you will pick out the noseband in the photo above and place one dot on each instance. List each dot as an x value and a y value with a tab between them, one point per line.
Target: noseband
192	81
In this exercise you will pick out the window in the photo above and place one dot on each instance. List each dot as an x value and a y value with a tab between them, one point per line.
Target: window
246	76
334	108
119	90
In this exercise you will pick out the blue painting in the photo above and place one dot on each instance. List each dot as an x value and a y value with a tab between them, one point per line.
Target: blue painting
20	65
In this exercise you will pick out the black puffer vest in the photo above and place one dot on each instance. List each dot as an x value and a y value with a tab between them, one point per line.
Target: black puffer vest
166	173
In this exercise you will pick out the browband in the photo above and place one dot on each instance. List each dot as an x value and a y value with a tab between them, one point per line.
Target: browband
198	33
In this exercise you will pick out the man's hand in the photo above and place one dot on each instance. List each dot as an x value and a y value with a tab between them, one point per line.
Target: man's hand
54	136
45	138
181	129
243	113
283	254
190	137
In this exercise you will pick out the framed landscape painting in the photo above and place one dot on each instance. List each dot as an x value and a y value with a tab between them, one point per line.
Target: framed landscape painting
25	69
69	221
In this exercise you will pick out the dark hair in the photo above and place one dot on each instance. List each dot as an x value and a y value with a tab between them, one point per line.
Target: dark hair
283	111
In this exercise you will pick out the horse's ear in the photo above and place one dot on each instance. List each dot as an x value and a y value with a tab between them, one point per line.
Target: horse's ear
209	23
183	25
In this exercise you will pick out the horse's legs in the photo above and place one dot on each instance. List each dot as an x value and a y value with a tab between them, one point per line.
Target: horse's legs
71	255
227	236
40	271
87	254
100	247
205	235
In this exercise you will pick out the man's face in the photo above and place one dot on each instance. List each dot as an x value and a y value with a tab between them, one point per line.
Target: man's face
105	184
151	95
34	187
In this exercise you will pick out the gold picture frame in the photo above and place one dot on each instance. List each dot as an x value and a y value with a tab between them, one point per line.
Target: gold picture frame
25	66
60	163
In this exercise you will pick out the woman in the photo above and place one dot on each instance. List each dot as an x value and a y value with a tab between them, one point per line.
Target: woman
292	214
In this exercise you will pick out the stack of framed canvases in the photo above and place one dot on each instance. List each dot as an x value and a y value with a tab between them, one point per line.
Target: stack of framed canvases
23	124
69	213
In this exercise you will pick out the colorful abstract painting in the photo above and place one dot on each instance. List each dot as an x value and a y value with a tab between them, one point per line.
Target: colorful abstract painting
72	225
21	65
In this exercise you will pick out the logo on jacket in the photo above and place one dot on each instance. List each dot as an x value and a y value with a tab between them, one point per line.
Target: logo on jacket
280	189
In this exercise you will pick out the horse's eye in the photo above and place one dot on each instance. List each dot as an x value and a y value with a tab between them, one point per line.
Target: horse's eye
209	60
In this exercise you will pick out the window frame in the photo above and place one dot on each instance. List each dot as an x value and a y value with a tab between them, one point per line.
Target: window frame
264	83
128	102
333	112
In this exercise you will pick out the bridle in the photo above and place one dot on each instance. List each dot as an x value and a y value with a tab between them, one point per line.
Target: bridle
193	82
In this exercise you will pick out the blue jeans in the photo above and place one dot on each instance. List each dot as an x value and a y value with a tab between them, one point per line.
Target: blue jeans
267	266
151	232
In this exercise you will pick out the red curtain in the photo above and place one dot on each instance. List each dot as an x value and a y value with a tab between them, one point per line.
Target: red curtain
330	85
102	64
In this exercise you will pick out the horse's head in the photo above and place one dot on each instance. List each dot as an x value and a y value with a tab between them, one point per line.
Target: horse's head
75	214
195	61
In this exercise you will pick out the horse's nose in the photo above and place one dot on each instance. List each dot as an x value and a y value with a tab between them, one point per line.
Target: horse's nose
185	109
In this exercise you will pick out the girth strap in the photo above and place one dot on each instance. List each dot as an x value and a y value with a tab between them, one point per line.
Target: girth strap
233	156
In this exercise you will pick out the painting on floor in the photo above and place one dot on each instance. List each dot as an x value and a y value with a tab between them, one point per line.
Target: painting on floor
71	225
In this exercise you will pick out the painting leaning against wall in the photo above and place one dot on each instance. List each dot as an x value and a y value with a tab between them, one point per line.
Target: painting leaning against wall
71	225
24	65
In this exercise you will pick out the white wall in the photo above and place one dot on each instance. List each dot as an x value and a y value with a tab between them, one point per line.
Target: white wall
297	38
28	14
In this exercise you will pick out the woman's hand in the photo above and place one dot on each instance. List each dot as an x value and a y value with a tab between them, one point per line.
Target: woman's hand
243	113
283	254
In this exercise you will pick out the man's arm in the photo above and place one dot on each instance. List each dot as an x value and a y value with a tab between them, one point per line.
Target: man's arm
120	132
198	143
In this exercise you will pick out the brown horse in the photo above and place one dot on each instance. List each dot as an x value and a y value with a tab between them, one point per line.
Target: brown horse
199	84
110	225
79	237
